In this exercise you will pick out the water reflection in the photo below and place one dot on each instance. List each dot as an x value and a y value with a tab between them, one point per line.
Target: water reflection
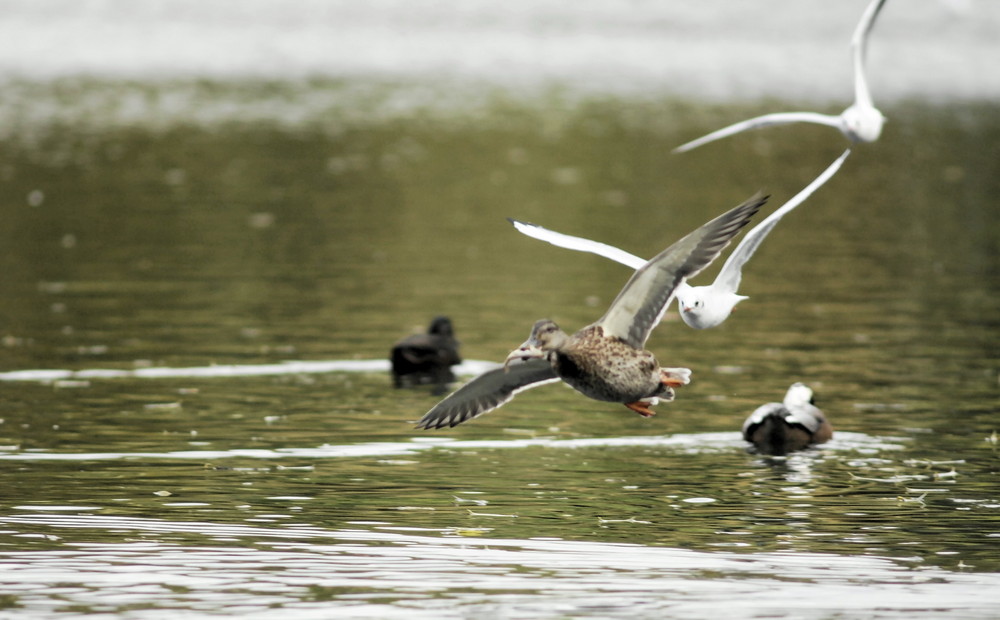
374	568
371	568
690	491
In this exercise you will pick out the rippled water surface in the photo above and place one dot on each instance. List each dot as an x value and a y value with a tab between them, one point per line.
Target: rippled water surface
202	279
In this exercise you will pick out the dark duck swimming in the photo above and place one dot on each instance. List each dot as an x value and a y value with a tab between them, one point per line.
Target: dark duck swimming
794	424
424	359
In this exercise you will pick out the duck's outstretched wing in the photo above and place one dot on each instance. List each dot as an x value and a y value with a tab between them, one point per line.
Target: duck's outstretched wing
487	392
731	273
578	243
859	44
778	118
640	305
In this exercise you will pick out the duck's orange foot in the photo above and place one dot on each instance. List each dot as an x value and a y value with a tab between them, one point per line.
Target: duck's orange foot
641	408
675	377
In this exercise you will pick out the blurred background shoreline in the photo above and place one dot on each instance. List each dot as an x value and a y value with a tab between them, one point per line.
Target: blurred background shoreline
118	62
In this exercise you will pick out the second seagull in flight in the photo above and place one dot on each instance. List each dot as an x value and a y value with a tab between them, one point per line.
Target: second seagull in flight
861	122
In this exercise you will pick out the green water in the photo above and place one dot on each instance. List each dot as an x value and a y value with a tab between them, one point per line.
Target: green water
134	245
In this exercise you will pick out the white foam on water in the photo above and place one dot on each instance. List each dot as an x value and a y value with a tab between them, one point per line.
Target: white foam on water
466	368
697	442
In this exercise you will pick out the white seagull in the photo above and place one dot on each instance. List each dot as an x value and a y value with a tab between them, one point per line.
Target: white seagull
861	122
701	307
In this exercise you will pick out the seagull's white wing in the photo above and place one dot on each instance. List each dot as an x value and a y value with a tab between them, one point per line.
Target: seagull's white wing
779	118
639	306
859	44
731	273
578	243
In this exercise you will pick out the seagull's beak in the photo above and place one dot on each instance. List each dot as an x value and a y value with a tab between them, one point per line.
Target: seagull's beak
528	350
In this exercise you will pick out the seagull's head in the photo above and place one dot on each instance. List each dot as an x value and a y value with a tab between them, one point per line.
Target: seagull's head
545	336
863	123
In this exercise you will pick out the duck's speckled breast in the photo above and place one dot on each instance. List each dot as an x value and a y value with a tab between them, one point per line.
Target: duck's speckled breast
606	368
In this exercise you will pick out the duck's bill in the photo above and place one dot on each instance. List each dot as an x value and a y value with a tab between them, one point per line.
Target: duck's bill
523	353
